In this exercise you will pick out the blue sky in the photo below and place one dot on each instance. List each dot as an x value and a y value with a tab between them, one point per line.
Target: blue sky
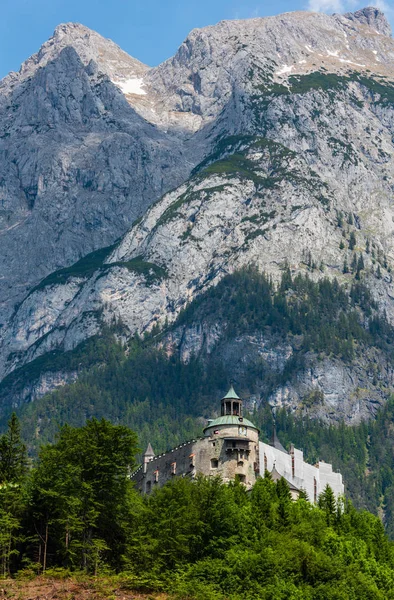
150	30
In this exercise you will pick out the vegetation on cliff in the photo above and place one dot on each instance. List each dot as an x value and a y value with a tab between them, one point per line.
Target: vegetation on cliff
163	398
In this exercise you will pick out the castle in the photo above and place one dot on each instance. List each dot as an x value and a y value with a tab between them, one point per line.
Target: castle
231	448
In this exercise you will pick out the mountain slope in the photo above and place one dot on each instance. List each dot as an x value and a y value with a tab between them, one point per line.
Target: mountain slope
78	164
295	167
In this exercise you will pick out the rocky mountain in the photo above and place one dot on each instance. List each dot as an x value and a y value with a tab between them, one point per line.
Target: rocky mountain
276	136
78	163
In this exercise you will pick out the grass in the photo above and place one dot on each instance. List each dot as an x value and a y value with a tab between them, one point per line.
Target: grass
172	211
236	164
150	271
83	268
319	81
58	585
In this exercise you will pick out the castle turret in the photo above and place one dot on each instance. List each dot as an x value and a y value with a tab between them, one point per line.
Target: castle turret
147	456
233	442
231	404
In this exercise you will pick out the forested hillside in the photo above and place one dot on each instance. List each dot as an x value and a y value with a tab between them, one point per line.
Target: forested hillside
149	386
77	510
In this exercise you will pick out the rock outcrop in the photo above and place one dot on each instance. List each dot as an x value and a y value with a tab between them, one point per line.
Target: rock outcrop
288	123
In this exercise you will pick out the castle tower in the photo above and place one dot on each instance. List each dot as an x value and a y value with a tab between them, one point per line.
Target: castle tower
233	442
147	456
231	404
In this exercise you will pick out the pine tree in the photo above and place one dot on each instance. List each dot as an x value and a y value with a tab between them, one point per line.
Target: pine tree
328	504
13	455
354	263
352	241
13	468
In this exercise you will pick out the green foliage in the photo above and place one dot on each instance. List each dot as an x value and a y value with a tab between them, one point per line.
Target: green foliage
352	240
196	539
85	267
363	454
302	84
13	470
80	494
236	164
328	82
203	539
13	455
150	271
163	399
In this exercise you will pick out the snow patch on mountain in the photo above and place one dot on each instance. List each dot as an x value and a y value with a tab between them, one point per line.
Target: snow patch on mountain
132	86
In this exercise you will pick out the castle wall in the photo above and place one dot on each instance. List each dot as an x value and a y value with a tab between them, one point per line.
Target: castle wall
163	467
232	450
312	479
210	456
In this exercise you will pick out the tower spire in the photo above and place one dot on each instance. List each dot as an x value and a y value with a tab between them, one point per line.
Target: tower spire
231	403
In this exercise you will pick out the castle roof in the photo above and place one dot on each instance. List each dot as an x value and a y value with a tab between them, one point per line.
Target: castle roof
231	395
230	420
149	451
276	476
276	443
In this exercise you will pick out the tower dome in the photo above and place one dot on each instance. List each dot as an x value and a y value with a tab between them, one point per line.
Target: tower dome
231	420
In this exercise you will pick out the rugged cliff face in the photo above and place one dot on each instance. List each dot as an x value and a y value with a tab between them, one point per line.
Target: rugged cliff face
288	122
78	163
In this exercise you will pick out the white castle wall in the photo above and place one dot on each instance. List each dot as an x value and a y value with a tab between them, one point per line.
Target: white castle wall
312	479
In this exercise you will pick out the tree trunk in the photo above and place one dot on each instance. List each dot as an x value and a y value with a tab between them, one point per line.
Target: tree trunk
44	564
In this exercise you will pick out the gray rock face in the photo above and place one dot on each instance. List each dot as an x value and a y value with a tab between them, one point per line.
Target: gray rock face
328	389
293	120
373	18
77	163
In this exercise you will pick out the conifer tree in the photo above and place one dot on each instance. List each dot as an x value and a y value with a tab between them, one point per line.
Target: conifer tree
354	263
13	455
13	468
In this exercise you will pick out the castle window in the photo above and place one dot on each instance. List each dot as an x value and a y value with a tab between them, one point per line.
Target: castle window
156	474
240	463
214	463
292	465
173	468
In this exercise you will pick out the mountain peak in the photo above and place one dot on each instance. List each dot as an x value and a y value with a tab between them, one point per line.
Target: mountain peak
89	45
373	17
72	29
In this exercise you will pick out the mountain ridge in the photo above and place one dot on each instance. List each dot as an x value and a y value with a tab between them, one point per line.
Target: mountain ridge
272	160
